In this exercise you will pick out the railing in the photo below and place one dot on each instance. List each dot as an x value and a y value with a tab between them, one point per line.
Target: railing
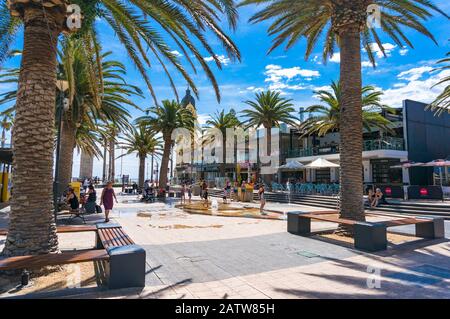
391	143
307	188
388	143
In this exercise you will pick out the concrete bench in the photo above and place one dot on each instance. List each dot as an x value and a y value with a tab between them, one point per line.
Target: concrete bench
368	236
126	265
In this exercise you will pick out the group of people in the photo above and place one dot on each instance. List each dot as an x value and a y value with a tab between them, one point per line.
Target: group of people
376	198
89	200
230	192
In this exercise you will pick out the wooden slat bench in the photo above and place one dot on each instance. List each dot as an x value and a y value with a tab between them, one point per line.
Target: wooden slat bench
126	267
369	236
40	261
123	260
113	236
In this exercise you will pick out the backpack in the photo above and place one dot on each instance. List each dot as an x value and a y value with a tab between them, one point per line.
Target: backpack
98	209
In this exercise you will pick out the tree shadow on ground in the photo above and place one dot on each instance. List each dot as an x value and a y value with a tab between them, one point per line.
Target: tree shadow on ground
422	275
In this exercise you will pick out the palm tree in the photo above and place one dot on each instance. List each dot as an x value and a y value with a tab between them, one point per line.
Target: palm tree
269	109
6	124
184	23
143	142
222	121
165	119
343	23
326	118
442	102
94	93
112	132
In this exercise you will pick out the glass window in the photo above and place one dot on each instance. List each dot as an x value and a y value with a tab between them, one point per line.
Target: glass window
383	173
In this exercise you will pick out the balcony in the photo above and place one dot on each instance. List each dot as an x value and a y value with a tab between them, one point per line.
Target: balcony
388	143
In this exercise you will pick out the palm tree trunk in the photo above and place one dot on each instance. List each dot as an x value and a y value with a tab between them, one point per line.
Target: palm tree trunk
269	178
141	171
351	129
224	156
151	173
86	165
68	131
105	160
32	228
165	162
3	137
111	173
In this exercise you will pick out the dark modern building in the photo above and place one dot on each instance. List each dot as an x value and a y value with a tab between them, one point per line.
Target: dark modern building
420	136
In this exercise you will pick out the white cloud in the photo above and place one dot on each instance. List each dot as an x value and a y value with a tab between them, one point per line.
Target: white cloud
336	58
176	53
255	89
280	78
222	58
316	59
366	64
203	118
403	51
415	89
414	74
388	48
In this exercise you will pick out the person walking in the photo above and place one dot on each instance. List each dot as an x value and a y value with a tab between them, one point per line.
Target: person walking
205	194
262	199
183	193
85	184
236	191
189	190
107	199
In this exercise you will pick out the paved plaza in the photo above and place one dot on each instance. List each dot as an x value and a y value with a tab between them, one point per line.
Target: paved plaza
198	256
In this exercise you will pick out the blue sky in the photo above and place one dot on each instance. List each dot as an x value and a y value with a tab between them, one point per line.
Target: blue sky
405	73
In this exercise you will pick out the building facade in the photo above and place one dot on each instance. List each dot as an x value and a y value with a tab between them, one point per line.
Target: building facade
420	136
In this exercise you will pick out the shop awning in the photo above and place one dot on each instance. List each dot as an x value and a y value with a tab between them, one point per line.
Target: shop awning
321	163
292	165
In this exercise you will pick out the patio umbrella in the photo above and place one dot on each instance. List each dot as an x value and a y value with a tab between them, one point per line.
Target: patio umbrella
408	165
321	163
292	165
438	163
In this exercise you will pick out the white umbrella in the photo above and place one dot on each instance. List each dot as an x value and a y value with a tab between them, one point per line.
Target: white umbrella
321	163
408	165
292	165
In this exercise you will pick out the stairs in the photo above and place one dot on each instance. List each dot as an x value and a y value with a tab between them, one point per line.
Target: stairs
284	198
432	209
395	206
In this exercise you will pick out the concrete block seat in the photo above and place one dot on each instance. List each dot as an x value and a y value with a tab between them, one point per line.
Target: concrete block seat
368	236
126	265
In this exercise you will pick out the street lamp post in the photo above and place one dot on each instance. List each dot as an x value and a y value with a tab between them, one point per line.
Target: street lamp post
63	105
